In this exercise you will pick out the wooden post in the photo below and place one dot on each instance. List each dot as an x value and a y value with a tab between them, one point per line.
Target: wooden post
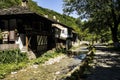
27	43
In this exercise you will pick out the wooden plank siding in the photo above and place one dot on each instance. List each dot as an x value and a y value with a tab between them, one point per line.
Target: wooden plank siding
41	43
38	44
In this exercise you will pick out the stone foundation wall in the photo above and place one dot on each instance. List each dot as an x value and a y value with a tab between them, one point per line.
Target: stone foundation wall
8	46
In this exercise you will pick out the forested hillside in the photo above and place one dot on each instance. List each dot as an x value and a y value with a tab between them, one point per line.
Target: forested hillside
69	21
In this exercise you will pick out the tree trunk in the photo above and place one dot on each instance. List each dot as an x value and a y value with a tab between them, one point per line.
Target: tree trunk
114	29
114	35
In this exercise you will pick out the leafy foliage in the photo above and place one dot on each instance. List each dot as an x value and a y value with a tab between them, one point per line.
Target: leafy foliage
103	14
69	21
7	68
12	56
8	3
11	60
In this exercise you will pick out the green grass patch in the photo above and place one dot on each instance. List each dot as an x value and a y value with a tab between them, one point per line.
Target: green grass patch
8	68
11	60
12	56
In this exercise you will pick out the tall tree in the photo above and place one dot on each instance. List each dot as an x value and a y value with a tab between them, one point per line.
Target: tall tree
105	13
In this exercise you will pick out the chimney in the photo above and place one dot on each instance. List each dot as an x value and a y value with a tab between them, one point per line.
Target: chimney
58	20
24	3
46	16
54	17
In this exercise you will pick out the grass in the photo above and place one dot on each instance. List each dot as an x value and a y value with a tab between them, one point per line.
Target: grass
11	60
7	68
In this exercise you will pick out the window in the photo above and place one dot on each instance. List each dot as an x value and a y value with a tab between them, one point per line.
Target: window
4	25
63	31
12	24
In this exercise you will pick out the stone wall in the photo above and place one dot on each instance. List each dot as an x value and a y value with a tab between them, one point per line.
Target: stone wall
8	46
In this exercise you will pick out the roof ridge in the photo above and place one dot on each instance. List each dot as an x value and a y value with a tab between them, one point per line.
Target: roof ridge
15	10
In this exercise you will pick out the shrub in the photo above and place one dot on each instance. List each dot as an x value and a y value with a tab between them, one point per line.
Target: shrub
12	56
11	60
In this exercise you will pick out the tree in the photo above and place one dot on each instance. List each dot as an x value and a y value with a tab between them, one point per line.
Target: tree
104	13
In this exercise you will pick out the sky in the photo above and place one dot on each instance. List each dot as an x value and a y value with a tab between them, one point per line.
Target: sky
56	5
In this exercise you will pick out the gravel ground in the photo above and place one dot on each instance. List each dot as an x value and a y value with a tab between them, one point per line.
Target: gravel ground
106	65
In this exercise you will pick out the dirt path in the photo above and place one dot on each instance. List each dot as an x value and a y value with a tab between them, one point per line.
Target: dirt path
107	65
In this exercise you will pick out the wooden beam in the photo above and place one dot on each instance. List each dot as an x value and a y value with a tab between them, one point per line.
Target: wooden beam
27	43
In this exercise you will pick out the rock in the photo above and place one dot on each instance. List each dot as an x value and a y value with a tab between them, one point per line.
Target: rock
13	72
58	72
54	60
23	70
34	66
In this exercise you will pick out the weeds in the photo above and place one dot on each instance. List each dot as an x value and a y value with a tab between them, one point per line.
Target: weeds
7	68
11	60
12	56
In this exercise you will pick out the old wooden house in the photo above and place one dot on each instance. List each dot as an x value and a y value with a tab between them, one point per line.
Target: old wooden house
31	32
63	36
25	29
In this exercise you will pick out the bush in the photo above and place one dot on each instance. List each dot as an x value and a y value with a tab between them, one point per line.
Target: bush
11	60
12	56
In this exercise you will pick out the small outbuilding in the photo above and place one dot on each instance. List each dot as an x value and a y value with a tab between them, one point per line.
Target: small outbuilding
63	36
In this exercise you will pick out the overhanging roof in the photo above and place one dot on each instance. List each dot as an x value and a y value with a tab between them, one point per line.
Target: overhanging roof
58	26
19	11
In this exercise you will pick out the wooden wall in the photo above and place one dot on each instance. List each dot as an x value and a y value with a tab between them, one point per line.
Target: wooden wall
38	30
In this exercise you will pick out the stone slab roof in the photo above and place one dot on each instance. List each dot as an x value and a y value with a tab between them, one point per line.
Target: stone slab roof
15	10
